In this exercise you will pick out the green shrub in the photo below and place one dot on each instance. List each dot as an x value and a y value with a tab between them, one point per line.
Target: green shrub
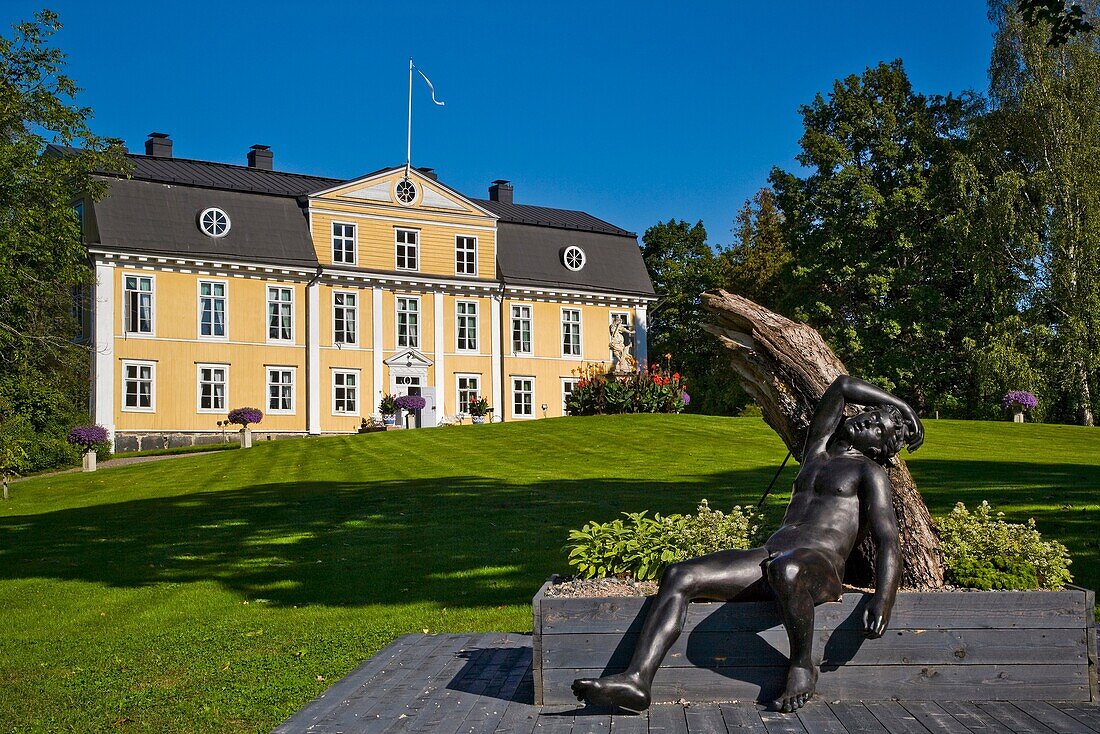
981	550
642	547
647	390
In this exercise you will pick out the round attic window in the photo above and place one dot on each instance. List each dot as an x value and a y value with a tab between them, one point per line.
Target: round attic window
573	258
405	191
214	222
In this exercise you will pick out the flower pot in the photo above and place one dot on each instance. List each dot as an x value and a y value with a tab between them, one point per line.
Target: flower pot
89	460
1017	416
478	420
246	438
389	420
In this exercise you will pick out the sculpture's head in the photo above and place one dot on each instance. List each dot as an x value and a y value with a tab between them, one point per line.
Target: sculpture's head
880	433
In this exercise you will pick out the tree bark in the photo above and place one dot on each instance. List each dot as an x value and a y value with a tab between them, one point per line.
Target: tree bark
785	366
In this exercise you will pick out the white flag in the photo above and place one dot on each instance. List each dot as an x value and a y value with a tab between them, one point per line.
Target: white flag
432	88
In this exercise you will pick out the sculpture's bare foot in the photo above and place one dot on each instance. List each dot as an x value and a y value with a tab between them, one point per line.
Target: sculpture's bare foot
801	683
622	690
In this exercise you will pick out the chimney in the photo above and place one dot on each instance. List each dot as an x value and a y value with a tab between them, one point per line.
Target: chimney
429	172
260	156
159	145
501	191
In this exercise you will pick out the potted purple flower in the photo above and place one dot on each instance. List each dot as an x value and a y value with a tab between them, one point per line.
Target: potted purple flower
243	417
410	404
1019	401
88	439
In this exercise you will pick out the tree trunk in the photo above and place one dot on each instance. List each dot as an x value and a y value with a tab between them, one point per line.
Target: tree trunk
786	366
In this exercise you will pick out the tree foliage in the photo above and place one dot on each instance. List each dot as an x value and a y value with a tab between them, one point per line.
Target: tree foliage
42	259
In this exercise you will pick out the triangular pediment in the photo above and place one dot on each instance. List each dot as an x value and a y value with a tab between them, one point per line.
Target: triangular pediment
410	359
382	188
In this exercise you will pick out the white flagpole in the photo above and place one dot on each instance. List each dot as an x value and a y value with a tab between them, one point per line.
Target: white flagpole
409	138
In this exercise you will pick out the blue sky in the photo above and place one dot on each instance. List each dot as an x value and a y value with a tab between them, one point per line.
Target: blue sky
636	112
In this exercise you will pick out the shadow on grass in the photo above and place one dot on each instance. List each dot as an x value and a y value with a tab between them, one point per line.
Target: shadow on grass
458	541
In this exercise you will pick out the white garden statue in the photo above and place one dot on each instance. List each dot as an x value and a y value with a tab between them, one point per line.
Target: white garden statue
621	359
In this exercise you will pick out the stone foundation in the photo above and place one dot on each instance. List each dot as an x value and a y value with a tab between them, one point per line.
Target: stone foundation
148	440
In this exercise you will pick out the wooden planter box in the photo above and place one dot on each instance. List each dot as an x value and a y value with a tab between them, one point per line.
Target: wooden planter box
966	645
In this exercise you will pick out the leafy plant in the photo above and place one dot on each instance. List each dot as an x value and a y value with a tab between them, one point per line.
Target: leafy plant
388	405
479	406
980	549
649	390
244	416
642	547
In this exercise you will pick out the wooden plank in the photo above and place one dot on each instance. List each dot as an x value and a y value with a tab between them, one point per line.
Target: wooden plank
1087	715
895	718
777	723
1054	719
485	715
555	720
856	718
1014	718
842	647
856	683
630	723
1090	630
973	718
667	719
705	718
591	723
934	718
454	706
400	652
536	641
742	718
913	610
818	718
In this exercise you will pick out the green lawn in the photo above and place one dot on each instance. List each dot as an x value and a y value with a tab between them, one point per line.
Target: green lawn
219	593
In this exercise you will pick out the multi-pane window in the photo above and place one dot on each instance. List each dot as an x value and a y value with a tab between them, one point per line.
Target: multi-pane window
280	312
344	318
408	247
137	385
280	390
212	309
343	243
213	386
466	326
567	386
523	396
138	299
468	390
570	332
521	329
408	322
345	392
466	255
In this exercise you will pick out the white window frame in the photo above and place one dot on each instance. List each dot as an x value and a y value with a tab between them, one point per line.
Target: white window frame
516	393
198	387
477	336
268	369
567	381
343	239
358	392
355	309
580	333
152	385
530	327
267	313
459	238
459	377
397	322
225	310
415	246
152	305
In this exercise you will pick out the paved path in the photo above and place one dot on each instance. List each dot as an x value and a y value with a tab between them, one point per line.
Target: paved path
116	462
481	684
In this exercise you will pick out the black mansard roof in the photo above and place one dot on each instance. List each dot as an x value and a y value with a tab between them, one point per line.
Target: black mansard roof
155	211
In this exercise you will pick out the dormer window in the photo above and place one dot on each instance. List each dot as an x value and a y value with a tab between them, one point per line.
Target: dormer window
573	258
214	222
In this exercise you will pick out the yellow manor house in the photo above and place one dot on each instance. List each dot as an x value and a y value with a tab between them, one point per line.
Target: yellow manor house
220	286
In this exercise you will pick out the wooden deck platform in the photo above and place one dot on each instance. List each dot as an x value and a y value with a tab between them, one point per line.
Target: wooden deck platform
481	683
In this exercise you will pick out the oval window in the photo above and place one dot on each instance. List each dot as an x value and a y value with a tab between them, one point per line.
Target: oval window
214	222
573	258
405	191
